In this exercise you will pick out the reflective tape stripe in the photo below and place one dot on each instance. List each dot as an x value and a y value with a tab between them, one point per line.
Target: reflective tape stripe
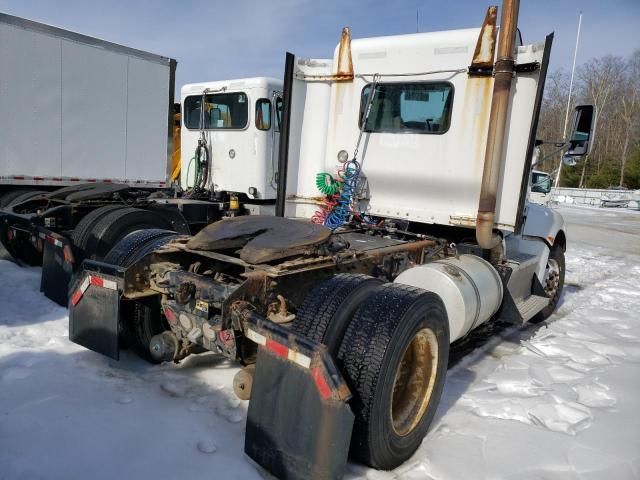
277	348
27	178
103	282
299	358
55	242
92	280
255	337
51	239
321	383
293	355
75	298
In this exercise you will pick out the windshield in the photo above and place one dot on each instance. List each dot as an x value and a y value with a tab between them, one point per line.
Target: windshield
221	111
540	182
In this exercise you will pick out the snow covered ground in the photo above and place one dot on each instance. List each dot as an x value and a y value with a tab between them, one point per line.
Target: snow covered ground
556	401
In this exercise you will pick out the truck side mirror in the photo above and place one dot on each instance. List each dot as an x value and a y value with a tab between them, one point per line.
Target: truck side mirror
582	132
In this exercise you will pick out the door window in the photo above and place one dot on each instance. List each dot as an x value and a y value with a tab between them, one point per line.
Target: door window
263	114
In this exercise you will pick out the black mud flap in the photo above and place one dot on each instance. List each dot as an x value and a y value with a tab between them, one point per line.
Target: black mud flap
4	251
58	260
17	240
94	308
299	423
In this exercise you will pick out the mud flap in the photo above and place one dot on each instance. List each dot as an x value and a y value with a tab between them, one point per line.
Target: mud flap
16	239
57	266
4	252
299	423
94	308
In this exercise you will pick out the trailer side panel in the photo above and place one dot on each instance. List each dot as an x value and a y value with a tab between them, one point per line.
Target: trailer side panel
74	108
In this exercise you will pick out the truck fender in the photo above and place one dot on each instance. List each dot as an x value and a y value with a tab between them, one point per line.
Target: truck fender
545	223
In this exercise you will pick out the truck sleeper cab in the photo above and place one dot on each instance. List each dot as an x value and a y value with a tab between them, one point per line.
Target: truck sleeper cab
343	312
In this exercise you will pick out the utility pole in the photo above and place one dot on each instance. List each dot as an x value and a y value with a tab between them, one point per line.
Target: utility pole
566	117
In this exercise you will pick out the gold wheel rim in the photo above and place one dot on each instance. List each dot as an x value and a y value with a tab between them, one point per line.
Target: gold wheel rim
414	381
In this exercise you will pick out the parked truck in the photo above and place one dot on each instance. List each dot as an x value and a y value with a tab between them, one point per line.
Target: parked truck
540	187
402	224
98	119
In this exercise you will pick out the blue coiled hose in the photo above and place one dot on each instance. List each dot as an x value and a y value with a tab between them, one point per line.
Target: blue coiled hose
350	173
340	213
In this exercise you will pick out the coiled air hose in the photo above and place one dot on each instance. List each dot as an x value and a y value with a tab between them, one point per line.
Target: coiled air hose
201	155
341	211
341	194
202	164
327	184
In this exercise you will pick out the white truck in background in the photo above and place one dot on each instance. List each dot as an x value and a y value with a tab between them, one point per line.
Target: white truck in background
241	126
90	148
540	187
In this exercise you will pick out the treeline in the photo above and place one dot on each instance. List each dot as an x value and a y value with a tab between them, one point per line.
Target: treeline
612	84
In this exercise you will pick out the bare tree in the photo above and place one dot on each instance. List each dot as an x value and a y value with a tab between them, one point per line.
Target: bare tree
630	108
612	85
599	78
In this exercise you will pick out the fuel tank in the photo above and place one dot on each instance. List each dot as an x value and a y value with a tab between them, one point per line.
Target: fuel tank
469	286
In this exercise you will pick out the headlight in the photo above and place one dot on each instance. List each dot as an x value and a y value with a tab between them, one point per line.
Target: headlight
343	156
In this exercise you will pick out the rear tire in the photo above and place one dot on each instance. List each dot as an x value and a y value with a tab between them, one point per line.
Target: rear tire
7	197
82	232
25	196
329	307
116	225
394	358
137	244
141	319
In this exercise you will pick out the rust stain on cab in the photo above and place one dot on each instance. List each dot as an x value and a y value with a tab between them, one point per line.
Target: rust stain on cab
345	62
486	46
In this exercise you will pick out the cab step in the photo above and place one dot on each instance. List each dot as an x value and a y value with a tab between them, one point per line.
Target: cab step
530	306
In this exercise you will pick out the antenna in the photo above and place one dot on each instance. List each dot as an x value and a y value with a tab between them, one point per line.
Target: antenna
566	116
417	20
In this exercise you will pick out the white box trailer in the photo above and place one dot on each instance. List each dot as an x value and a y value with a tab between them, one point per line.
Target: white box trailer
77	109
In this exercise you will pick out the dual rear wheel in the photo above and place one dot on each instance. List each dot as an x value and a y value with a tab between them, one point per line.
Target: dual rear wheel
121	236
391	343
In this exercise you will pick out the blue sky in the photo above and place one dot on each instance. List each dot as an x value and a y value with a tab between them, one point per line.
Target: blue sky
229	39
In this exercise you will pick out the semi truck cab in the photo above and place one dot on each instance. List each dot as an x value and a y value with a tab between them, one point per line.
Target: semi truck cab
241	124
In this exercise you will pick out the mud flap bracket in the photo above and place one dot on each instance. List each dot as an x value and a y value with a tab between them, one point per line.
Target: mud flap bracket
299	422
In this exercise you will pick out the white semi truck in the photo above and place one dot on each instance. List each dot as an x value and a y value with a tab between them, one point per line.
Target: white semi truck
402	224
91	148
540	191
241	126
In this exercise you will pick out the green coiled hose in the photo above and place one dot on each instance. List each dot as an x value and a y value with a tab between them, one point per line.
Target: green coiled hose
327	184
